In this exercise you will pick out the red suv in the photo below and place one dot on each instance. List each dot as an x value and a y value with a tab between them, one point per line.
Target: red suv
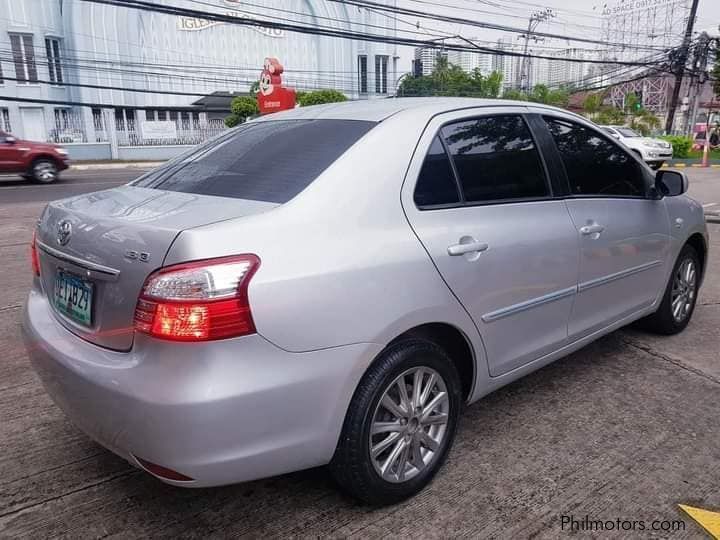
37	161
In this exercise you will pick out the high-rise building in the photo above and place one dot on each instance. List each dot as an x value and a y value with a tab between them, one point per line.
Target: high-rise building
428	58
506	64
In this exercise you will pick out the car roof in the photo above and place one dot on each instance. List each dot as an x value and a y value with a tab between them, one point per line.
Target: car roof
377	110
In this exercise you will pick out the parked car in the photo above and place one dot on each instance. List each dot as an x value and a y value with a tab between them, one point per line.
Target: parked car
654	152
37	161
332	284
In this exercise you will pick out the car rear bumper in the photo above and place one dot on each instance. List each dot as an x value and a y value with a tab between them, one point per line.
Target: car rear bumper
218	412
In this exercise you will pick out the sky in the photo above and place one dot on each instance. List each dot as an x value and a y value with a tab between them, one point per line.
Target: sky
571	17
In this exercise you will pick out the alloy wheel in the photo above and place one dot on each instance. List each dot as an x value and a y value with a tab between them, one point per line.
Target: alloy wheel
44	171
683	290
409	425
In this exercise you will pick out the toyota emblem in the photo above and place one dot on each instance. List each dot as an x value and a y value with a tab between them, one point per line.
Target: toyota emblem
64	231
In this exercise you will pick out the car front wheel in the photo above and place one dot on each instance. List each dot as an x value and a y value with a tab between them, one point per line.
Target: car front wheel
400	424
44	171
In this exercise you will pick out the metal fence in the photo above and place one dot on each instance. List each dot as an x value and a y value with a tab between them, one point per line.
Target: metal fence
75	125
167	132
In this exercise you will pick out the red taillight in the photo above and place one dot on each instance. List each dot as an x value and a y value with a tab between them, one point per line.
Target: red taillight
34	260
198	301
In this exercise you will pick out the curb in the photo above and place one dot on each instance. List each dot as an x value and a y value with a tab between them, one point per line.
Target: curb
98	166
683	165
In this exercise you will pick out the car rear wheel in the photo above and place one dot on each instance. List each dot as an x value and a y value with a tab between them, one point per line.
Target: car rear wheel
44	171
400	424
678	303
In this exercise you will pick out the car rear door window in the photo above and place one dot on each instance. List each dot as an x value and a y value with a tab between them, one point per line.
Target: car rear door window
269	161
436	183
594	165
496	159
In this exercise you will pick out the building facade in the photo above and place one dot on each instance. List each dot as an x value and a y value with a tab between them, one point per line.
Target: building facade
134	66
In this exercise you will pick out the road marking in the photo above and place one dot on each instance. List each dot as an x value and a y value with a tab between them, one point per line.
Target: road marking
67	185
710	521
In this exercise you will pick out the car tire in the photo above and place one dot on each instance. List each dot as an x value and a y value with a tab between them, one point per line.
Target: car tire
365	464
44	171
656	165
680	297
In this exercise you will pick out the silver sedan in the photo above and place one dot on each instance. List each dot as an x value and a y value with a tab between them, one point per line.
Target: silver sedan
331	285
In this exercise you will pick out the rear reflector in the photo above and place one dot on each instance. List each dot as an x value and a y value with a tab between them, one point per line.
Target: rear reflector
163	472
34	260
198	301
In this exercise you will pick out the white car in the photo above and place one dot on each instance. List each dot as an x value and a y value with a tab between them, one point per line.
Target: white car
654	152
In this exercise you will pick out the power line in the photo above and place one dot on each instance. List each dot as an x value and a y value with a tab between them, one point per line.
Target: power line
315	30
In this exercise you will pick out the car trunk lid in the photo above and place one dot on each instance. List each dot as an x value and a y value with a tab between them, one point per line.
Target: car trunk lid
96	250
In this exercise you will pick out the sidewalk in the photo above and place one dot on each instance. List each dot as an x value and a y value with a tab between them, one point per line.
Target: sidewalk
113	164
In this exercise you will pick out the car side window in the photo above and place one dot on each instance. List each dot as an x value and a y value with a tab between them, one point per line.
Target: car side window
594	165
436	182
496	159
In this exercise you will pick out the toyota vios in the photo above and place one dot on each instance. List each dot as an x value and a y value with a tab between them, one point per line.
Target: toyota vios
331	285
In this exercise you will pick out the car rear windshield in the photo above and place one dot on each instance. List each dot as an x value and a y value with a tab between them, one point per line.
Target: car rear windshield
268	161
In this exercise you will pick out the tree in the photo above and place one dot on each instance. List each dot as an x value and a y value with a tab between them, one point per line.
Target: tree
592	104
645	122
241	108
450	80
610	116
318	97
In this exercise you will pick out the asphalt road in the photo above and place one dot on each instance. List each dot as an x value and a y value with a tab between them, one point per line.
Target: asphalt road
624	428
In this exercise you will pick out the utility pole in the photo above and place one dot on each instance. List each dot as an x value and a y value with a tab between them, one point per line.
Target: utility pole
680	69
523	70
698	77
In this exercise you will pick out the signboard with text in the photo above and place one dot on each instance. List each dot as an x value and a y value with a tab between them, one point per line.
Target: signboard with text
162	130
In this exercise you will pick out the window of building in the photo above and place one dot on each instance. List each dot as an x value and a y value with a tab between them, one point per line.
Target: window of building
97	119
62	119
1	74
496	159
125	119
162	115
5	120
52	50
436	182
362	74
381	67
23	58
594	165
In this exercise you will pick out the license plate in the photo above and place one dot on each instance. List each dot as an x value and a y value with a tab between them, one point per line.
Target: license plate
73	297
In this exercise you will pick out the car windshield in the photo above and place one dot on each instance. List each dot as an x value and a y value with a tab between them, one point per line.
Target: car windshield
627	132
269	161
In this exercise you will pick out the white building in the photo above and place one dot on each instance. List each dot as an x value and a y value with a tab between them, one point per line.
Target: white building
428	58
554	72
129	62
506	64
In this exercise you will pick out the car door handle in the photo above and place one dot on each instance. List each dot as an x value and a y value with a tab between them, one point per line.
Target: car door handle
591	229
471	247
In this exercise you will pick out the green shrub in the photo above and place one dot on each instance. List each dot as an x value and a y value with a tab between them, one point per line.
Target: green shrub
681	145
318	97
242	107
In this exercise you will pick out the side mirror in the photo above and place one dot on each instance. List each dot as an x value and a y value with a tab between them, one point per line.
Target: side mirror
615	135
10	139
671	183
